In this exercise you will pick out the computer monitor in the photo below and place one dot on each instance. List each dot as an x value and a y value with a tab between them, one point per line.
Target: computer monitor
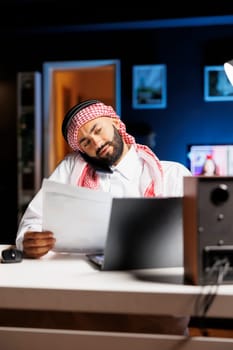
217	156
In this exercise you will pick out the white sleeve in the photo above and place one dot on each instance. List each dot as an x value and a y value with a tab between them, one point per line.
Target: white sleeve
32	218
174	173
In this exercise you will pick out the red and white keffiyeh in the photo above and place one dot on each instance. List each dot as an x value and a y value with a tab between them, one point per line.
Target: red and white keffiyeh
152	176
89	113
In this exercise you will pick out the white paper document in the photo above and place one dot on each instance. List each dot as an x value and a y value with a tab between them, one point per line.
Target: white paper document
78	216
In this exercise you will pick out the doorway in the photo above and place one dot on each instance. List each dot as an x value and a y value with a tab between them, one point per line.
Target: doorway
65	84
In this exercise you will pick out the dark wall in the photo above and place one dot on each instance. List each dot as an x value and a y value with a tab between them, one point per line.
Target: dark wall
184	49
8	140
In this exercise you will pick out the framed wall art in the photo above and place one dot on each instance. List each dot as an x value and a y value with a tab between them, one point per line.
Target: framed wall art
217	87
149	86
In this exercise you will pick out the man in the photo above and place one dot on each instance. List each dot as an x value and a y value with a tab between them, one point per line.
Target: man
105	157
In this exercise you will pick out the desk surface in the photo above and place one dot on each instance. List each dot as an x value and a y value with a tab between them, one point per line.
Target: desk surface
69	282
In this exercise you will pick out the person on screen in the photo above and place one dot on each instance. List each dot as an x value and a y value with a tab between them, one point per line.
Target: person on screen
104	157
209	167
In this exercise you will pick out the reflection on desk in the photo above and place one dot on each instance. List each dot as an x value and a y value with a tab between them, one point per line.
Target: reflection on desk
59	288
68	282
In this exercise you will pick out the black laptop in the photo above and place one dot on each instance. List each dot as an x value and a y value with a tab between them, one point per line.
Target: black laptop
143	233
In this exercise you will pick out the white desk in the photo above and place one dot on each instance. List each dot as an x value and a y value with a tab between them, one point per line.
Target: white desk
69	283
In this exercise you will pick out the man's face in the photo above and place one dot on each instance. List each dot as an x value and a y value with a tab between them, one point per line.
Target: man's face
101	141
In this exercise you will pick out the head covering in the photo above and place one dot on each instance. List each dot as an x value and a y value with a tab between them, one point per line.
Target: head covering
85	112
151	182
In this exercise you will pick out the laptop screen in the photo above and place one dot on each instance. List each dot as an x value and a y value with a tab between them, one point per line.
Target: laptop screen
144	233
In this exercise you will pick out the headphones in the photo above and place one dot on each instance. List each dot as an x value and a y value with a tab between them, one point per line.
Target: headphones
72	112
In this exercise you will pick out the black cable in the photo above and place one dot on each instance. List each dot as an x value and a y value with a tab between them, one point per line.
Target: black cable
205	300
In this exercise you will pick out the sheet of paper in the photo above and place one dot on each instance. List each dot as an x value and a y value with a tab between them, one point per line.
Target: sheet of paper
77	216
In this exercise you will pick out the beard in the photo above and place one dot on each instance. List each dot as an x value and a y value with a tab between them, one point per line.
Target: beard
110	158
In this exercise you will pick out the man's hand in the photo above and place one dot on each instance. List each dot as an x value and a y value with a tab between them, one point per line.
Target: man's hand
37	244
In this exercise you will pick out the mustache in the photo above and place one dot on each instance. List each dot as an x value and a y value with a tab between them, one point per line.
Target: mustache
108	143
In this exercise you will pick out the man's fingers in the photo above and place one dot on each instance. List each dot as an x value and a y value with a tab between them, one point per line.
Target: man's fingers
37	244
